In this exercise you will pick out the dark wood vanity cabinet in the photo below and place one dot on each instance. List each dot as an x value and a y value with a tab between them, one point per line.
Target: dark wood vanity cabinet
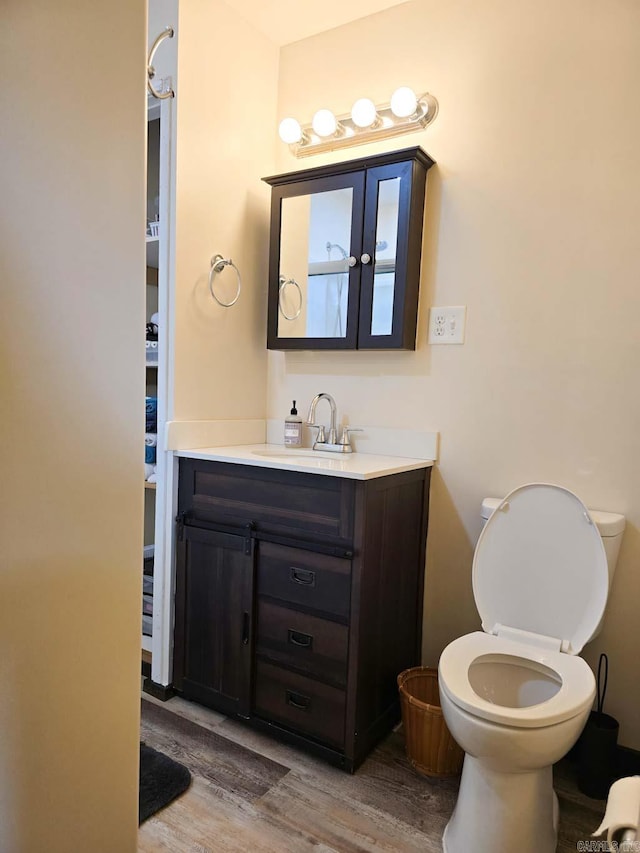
344	257
214	588
299	599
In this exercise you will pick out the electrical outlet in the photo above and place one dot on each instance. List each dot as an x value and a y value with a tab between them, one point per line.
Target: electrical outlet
446	325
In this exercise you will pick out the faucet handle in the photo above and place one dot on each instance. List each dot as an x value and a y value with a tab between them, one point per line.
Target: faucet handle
321	437
344	438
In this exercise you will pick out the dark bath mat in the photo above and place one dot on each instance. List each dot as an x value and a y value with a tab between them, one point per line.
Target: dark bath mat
161	780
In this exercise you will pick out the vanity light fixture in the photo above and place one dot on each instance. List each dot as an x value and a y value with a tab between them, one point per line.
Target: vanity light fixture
325	123
367	122
364	113
404	102
290	130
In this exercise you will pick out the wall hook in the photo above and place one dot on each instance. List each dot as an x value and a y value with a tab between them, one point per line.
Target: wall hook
167	33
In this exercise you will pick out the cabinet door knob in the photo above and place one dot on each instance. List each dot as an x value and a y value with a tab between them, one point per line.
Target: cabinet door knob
365	259
352	261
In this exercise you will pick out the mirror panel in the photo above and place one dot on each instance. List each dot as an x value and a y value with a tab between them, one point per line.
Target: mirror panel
384	268
315	243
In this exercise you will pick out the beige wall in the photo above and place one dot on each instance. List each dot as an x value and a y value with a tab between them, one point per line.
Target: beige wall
532	219
226	105
71	383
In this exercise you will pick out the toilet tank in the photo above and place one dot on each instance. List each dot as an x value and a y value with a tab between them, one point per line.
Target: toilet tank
610	526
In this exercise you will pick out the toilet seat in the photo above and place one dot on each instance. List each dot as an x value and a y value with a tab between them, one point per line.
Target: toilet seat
540	581
576	691
540	567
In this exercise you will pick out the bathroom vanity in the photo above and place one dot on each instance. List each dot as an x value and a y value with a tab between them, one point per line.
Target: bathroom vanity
299	587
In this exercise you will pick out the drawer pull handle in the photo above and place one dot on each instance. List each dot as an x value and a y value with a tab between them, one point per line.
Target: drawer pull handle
303	576
297	700
297	638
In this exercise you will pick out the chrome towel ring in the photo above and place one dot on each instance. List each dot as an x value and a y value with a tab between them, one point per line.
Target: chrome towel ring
281	289
167	33
218	263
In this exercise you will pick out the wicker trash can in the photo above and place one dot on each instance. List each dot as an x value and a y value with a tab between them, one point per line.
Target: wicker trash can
430	747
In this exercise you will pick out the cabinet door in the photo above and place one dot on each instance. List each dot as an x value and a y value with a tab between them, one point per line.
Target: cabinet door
314	276
391	245
347	283
214	619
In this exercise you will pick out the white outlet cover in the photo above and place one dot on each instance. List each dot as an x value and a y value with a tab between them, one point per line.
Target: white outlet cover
447	324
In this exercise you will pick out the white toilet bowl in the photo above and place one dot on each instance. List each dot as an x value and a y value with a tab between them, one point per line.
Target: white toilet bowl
516	696
515	710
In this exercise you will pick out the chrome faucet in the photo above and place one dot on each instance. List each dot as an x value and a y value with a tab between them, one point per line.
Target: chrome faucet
329	442
311	419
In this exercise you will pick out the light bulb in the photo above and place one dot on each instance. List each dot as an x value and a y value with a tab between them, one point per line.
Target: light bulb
404	102
363	112
290	130
324	123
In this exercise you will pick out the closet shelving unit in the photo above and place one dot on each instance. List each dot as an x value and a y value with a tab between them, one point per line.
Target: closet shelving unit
159	123
151	368
152	244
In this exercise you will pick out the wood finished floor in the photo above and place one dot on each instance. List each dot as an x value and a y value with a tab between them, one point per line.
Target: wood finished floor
251	793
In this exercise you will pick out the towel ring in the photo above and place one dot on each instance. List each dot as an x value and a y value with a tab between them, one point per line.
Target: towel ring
283	283
218	263
167	33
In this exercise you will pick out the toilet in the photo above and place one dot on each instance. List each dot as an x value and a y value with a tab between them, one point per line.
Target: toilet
515	695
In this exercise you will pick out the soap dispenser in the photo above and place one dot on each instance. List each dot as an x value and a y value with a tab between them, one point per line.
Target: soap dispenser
293	428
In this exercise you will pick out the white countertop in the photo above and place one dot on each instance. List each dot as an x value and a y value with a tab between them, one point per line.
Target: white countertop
354	466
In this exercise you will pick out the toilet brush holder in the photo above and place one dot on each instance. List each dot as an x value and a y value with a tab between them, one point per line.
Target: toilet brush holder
598	744
597	751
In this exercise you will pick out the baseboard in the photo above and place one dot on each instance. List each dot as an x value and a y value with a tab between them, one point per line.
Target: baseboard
163	692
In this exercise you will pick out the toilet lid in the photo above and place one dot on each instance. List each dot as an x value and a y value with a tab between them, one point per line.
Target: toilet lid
540	566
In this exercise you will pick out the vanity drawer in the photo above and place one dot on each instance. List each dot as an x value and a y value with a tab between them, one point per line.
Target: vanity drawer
302	703
305	578
289	503
291	638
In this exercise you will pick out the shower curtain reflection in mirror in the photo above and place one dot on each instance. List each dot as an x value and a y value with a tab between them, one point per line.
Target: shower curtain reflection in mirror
327	317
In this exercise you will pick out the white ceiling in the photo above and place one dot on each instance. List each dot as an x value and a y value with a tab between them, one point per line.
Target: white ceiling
285	21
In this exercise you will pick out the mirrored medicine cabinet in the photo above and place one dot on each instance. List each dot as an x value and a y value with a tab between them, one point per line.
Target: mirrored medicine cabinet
344	256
